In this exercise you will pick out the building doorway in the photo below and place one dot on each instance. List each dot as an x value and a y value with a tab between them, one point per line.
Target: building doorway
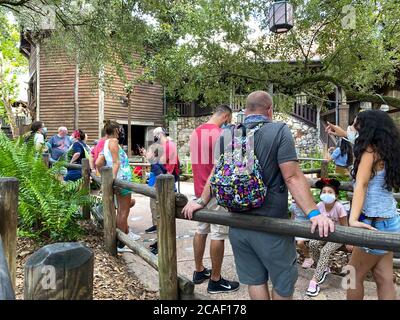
138	138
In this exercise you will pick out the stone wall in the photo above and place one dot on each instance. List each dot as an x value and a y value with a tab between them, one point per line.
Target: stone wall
305	136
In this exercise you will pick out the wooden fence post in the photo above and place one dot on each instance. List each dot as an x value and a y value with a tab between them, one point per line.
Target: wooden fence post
324	169
8	222
110	218
86	186
6	287
46	159
166	227
60	271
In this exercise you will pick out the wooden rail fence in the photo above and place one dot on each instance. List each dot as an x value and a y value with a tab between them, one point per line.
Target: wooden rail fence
170	205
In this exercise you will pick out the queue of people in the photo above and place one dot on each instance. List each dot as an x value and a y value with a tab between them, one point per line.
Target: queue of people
369	151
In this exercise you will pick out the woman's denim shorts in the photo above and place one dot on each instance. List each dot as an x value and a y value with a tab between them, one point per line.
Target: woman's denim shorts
386	225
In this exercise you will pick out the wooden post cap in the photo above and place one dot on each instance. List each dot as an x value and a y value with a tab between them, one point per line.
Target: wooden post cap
60	271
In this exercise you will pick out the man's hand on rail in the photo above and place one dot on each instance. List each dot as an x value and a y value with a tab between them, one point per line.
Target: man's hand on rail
324	224
190	208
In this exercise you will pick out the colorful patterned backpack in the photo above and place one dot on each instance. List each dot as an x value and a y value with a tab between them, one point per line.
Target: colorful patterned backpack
237	182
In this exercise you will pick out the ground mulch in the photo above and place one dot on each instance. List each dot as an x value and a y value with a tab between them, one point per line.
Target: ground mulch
111	278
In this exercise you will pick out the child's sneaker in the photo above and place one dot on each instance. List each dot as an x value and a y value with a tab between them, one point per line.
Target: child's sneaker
323	278
308	263
313	289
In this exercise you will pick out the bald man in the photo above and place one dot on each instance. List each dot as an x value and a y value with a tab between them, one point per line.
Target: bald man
262	257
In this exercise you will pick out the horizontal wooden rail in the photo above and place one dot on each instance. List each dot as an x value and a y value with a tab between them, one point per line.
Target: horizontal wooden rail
6	287
346	235
136	187
95	178
74	166
186	287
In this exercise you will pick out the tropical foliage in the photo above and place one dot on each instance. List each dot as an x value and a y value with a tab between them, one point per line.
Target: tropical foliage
12	64
48	207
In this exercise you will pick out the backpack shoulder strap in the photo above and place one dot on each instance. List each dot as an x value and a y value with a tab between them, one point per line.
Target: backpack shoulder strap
274	139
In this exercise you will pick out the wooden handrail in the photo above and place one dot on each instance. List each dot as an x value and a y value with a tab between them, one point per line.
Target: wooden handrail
136	187
346	235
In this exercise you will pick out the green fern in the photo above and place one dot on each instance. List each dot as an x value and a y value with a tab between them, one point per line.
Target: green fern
47	207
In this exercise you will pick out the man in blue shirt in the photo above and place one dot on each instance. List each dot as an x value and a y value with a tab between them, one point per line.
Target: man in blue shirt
59	144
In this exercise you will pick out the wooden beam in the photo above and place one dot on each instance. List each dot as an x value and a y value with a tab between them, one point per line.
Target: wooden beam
8	222
166	229
46	159
6	286
110	218
76	96
346	235
95	178
86	187
186	287
60	271
136	187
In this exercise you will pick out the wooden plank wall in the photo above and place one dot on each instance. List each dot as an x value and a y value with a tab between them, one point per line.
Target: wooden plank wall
56	90
88	106
147	102
57	76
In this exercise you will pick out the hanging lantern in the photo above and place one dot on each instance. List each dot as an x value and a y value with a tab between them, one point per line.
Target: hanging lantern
301	99
240	117
280	17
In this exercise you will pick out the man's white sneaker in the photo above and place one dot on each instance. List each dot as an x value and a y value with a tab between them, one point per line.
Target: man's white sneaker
133	236
124	249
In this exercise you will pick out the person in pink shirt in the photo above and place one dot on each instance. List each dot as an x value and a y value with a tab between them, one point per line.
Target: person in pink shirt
98	149
321	250
169	153
202	144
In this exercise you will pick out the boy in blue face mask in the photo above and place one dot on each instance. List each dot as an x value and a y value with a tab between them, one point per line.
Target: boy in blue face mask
321	250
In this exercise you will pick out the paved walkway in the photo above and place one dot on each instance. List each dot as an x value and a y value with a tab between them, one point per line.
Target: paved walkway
140	220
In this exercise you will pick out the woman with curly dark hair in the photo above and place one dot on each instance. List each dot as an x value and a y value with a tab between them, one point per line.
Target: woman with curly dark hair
377	173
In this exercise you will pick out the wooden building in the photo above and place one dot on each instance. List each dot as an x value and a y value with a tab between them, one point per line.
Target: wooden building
62	95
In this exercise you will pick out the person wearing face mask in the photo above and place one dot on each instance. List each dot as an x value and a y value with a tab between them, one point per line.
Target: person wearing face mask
376	173
37	136
115	157
321	250
350	134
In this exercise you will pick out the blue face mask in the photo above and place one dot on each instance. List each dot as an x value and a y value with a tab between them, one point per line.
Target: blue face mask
327	198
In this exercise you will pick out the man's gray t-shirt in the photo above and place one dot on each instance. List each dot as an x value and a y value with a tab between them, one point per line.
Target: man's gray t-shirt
277	136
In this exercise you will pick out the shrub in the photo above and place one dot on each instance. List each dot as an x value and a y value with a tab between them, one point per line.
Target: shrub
48	208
